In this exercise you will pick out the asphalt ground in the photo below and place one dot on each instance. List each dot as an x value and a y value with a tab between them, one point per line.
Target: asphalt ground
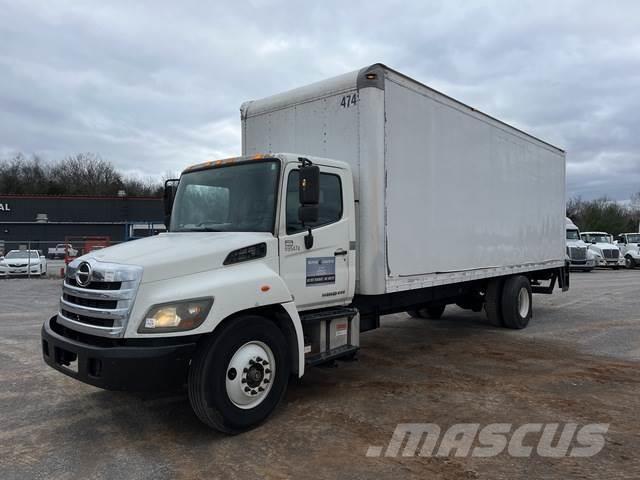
577	362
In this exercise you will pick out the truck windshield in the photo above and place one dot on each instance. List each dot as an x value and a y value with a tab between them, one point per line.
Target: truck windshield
22	254
573	235
633	238
233	198
597	238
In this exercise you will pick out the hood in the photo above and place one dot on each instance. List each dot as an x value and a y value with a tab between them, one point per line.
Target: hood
20	261
602	246
576	243
176	254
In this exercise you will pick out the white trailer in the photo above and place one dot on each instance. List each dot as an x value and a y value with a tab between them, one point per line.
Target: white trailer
396	198
444	193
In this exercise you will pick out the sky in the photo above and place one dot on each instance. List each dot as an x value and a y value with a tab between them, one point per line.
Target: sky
155	86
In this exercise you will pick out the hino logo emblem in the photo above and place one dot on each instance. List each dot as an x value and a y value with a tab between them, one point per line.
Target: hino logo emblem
83	274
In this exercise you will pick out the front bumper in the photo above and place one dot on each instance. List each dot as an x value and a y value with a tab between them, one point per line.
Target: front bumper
134	365
611	262
582	264
19	271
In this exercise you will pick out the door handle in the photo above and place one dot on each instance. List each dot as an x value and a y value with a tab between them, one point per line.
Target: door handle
340	251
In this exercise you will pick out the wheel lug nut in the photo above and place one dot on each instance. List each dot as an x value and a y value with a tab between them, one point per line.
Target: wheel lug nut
267	371
251	362
258	359
260	389
266	380
244	380
247	389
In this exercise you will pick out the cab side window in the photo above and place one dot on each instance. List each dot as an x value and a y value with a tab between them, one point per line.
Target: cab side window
330	207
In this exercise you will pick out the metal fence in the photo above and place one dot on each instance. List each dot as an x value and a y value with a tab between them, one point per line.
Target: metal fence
45	259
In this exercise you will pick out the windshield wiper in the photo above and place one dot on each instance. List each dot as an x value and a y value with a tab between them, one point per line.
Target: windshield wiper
199	229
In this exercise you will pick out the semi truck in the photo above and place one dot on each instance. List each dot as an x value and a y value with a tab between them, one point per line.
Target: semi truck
580	256
607	253
629	245
356	197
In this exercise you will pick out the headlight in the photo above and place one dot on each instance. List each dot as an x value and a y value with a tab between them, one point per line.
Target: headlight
176	316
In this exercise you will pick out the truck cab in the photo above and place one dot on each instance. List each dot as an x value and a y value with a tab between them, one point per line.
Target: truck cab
629	245
251	237
580	256
606	252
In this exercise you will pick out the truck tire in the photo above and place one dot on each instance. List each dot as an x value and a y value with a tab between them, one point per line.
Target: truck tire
493	302
432	312
239	376
629	262
517	305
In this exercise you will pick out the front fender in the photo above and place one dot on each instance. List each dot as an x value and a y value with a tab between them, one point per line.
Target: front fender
234	289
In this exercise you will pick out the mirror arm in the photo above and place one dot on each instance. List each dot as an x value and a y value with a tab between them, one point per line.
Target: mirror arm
308	239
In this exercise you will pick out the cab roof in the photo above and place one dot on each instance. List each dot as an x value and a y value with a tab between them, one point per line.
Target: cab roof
284	157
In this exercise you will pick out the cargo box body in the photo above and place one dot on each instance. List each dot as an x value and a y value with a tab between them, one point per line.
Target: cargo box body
444	193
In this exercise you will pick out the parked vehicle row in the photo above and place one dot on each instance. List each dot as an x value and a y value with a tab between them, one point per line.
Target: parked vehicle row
23	263
587	250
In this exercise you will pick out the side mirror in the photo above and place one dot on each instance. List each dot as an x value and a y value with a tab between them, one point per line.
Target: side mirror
308	213
309	185
309	191
170	188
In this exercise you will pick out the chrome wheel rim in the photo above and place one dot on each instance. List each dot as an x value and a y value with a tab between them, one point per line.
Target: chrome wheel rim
250	374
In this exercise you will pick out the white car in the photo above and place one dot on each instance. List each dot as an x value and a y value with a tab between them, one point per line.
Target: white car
23	262
629	245
606	252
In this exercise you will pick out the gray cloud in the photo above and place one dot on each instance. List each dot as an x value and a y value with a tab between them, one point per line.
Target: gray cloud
155	86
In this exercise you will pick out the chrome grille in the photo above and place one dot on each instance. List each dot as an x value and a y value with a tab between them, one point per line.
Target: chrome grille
578	253
103	306
610	253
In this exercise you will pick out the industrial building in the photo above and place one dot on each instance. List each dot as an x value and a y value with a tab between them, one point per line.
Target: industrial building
41	221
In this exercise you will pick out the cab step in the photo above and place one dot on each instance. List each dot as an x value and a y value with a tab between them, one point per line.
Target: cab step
330	333
330	355
327	314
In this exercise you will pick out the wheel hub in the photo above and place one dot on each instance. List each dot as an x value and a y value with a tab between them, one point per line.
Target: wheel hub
523	302
256	362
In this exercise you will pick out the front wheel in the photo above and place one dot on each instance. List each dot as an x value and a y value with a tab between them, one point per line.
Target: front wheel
238	377
629	262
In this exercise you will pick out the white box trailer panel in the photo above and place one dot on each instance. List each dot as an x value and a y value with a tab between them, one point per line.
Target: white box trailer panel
445	193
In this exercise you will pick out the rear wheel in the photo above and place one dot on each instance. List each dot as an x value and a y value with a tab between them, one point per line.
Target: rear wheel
493	302
517	305
238	377
432	312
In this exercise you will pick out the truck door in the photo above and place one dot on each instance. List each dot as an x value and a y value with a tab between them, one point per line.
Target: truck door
318	276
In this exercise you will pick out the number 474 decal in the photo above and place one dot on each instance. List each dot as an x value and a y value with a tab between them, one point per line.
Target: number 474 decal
348	100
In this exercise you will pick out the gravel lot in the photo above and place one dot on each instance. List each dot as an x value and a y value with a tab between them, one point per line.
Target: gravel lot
579	361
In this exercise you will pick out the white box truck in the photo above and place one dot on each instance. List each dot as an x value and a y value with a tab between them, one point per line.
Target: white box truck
395	198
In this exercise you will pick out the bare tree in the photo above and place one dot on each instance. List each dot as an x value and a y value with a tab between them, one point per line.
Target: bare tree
80	174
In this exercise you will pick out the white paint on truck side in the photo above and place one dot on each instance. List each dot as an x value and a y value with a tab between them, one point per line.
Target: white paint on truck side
444	193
